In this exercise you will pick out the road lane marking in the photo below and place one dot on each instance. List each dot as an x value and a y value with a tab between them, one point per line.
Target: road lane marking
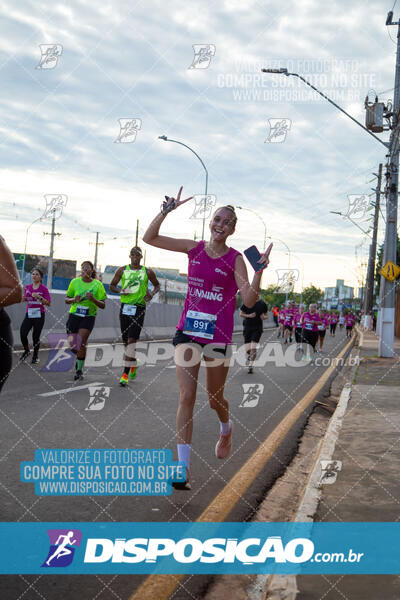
163	586
70	389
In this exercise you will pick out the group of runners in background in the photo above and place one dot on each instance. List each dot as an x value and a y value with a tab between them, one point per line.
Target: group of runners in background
85	295
310	326
216	272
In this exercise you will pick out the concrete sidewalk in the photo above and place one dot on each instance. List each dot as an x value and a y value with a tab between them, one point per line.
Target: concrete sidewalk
367	487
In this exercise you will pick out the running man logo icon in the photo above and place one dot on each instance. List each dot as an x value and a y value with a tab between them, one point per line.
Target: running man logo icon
203	206
251	394
97	397
133	281
60	358
54	205
358	206
286	279
128	129
50	53
203	54
278	130
62	547
329	471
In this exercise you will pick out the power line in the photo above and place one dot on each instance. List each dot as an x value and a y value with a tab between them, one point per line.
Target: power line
385	91
387	29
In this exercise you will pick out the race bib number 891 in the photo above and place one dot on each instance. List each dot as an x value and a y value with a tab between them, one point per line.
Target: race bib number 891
198	324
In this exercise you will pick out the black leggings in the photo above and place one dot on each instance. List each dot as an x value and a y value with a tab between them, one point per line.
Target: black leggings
333	327
298	335
6	343
310	337
26	325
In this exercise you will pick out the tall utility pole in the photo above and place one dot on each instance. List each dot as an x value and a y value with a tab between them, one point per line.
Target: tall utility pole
97	244
137	232
50	266
386	340
369	284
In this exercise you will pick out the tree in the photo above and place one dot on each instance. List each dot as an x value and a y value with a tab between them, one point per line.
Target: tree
312	295
272	296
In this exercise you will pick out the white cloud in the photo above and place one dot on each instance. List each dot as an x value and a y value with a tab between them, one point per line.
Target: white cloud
58	127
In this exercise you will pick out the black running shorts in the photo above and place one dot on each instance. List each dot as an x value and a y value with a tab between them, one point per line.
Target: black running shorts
182	338
131	326
74	323
252	336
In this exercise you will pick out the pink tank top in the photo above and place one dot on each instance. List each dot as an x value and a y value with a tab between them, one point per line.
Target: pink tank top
210	303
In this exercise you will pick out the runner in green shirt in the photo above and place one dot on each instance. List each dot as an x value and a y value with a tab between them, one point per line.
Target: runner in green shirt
134	280
85	294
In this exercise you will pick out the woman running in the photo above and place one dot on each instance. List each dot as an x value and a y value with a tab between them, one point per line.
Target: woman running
10	293
85	294
322	328
333	321
298	328
37	297
341	321
288	323
215	273
310	321
349	320
281	321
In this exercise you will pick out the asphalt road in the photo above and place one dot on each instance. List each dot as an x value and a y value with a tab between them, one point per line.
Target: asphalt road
36	414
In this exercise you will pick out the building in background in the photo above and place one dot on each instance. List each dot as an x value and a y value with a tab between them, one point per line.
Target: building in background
338	296
63	269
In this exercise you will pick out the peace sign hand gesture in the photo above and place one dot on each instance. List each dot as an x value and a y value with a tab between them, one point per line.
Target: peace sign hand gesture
172	203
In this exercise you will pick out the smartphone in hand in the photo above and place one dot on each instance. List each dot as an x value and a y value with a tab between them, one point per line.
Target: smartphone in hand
168	205
253	256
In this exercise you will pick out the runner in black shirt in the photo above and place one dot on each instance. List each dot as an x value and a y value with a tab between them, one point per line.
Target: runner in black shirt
252	328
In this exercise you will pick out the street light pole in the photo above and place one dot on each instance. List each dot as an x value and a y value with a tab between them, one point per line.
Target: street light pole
285	72
167	139
262	221
26	243
288	249
337	212
302	276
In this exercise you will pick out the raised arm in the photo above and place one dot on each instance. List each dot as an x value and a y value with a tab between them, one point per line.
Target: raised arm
152	236
10	285
250	291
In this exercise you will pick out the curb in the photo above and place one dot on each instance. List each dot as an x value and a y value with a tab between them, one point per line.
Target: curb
284	587
164	587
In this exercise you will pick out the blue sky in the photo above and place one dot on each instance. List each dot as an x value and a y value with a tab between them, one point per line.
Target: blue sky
131	60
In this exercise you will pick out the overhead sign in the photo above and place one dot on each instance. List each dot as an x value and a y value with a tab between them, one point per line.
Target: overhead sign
390	271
